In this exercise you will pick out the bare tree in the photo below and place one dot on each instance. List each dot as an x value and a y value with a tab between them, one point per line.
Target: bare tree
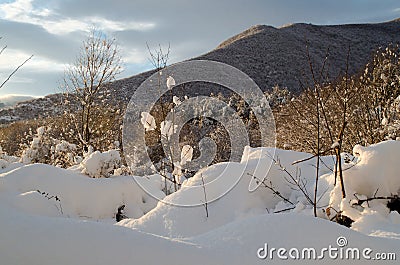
97	64
320	115
330	117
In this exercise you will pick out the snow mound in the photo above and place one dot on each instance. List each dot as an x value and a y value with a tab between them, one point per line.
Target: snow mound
100	164
237	229
37	240
377	168
51	191
7	162
374	174
239	241
229	197
227	192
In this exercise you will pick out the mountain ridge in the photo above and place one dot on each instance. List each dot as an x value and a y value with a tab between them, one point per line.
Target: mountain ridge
281	53
270	56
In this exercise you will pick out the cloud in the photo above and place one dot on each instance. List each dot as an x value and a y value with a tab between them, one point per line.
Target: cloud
22	11
56	23
39	64
33	39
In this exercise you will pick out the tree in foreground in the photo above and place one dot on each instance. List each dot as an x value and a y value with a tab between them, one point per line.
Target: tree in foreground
85	84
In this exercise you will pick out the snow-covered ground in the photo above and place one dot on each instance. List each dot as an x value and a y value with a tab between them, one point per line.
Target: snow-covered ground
50	215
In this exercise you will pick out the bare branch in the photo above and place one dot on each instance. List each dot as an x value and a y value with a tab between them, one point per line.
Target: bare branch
15	70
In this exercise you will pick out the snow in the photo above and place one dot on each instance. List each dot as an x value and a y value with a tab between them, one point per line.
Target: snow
98	164
239	241
7	162
79	195
37	240
176	100
8	118
186	154
148	121
229	199
50	215
335	145
375	173
168	128
170	82
64	146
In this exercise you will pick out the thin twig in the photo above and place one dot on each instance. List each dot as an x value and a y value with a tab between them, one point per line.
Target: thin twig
285	210
271	188
15	70
205	203
374	197
311	157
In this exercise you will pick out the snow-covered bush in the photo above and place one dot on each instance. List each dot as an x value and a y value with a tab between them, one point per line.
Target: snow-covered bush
123	171
372	181
45	149
278	96
39	149
6	160
101	164
64	153
381	85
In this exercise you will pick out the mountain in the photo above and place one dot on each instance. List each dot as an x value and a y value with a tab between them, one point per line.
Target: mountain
32	108
270	56
11	100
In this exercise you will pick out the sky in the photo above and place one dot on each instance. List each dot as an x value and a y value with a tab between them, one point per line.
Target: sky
53	30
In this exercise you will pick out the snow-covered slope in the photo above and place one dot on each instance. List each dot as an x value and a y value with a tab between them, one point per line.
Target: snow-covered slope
36	240
50	191
375	169
228	196
240	225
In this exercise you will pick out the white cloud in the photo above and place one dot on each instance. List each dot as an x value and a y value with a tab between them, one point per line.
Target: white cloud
17	79
9	97
111	25
134	55
10	59
24	11
17	10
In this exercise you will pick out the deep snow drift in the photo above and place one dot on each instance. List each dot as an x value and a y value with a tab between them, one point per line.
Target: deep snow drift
50	215
50	191
375	168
